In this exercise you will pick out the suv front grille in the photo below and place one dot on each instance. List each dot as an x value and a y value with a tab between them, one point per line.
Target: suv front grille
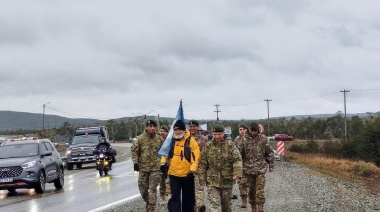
82	150
11	171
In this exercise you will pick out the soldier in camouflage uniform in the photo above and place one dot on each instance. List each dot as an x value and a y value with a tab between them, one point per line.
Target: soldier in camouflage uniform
220	166
164	183
256	154
242	182
144	156
199	190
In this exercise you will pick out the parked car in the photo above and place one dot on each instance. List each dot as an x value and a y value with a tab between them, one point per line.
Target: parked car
282	137
30	163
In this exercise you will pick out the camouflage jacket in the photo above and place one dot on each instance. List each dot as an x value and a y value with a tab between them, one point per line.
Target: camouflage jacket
220	161
144	152
256	153
238	140
201	140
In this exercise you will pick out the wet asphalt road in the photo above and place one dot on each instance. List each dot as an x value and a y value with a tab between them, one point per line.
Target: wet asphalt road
84	190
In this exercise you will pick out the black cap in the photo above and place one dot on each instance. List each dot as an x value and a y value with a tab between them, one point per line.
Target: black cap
254	126
179	125
193	122
151	122
218	128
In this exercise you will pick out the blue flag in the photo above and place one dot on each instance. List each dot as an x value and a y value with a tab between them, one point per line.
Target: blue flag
166	146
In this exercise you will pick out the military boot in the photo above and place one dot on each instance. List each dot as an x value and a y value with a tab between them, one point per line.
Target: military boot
260	207
243	202
202	208
254	207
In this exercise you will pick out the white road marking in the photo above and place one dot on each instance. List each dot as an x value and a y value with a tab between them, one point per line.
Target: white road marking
115	203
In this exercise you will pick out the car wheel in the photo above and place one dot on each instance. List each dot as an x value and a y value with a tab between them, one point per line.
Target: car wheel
60	181
69	166
79	165
40	187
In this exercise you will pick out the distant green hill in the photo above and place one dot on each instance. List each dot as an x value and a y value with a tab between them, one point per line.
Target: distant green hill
12	120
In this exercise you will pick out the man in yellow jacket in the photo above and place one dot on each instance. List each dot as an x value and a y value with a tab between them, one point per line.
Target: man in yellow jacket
183	160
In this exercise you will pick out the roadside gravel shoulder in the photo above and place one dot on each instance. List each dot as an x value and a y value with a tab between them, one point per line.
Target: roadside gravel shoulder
293	187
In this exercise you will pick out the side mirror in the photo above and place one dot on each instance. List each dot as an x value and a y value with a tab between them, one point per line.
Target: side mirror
48	153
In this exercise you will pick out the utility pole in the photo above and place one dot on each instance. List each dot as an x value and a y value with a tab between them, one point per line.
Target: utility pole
43	119
217	112
158	119
268	100
345	116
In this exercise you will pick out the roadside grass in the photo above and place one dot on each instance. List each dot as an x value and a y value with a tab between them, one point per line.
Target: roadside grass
359	171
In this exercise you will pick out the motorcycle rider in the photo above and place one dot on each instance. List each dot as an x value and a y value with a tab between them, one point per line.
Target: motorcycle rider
106	147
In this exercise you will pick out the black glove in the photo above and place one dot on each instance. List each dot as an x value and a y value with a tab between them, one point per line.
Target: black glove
163	169
136	167
190	176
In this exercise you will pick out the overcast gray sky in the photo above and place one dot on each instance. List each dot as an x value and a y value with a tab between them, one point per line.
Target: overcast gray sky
112	59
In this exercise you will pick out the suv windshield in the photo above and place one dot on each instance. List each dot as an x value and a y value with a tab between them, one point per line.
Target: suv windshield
85	139
18	150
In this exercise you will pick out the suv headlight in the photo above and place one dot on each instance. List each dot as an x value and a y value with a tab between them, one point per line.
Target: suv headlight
28	165
68	152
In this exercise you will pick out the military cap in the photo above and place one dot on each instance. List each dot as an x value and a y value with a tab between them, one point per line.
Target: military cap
242	125
254	126
164	127
151	122
193	122
218	128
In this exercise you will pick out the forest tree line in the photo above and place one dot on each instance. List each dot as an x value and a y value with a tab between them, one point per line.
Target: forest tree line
363	134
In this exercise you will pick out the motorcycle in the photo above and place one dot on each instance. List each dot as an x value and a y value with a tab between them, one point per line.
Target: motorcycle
102	162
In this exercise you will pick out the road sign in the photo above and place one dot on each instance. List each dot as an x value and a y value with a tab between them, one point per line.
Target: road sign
227	130
280	148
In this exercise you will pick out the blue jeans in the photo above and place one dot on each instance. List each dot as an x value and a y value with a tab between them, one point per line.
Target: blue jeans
186	185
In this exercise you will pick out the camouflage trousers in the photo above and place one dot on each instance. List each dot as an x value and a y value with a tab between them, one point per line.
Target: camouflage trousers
243	186
199	192
148	182
219	198
256	183
163	185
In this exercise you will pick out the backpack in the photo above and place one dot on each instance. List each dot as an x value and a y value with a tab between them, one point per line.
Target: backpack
186	153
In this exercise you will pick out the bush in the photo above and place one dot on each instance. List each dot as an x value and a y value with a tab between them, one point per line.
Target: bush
332	148
363	169
297	148
309	147
312	147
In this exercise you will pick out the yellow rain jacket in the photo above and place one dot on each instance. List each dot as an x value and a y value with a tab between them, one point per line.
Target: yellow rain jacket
178	165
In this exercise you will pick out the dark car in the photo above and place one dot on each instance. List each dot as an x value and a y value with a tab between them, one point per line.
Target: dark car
282	137
30	164
80	150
